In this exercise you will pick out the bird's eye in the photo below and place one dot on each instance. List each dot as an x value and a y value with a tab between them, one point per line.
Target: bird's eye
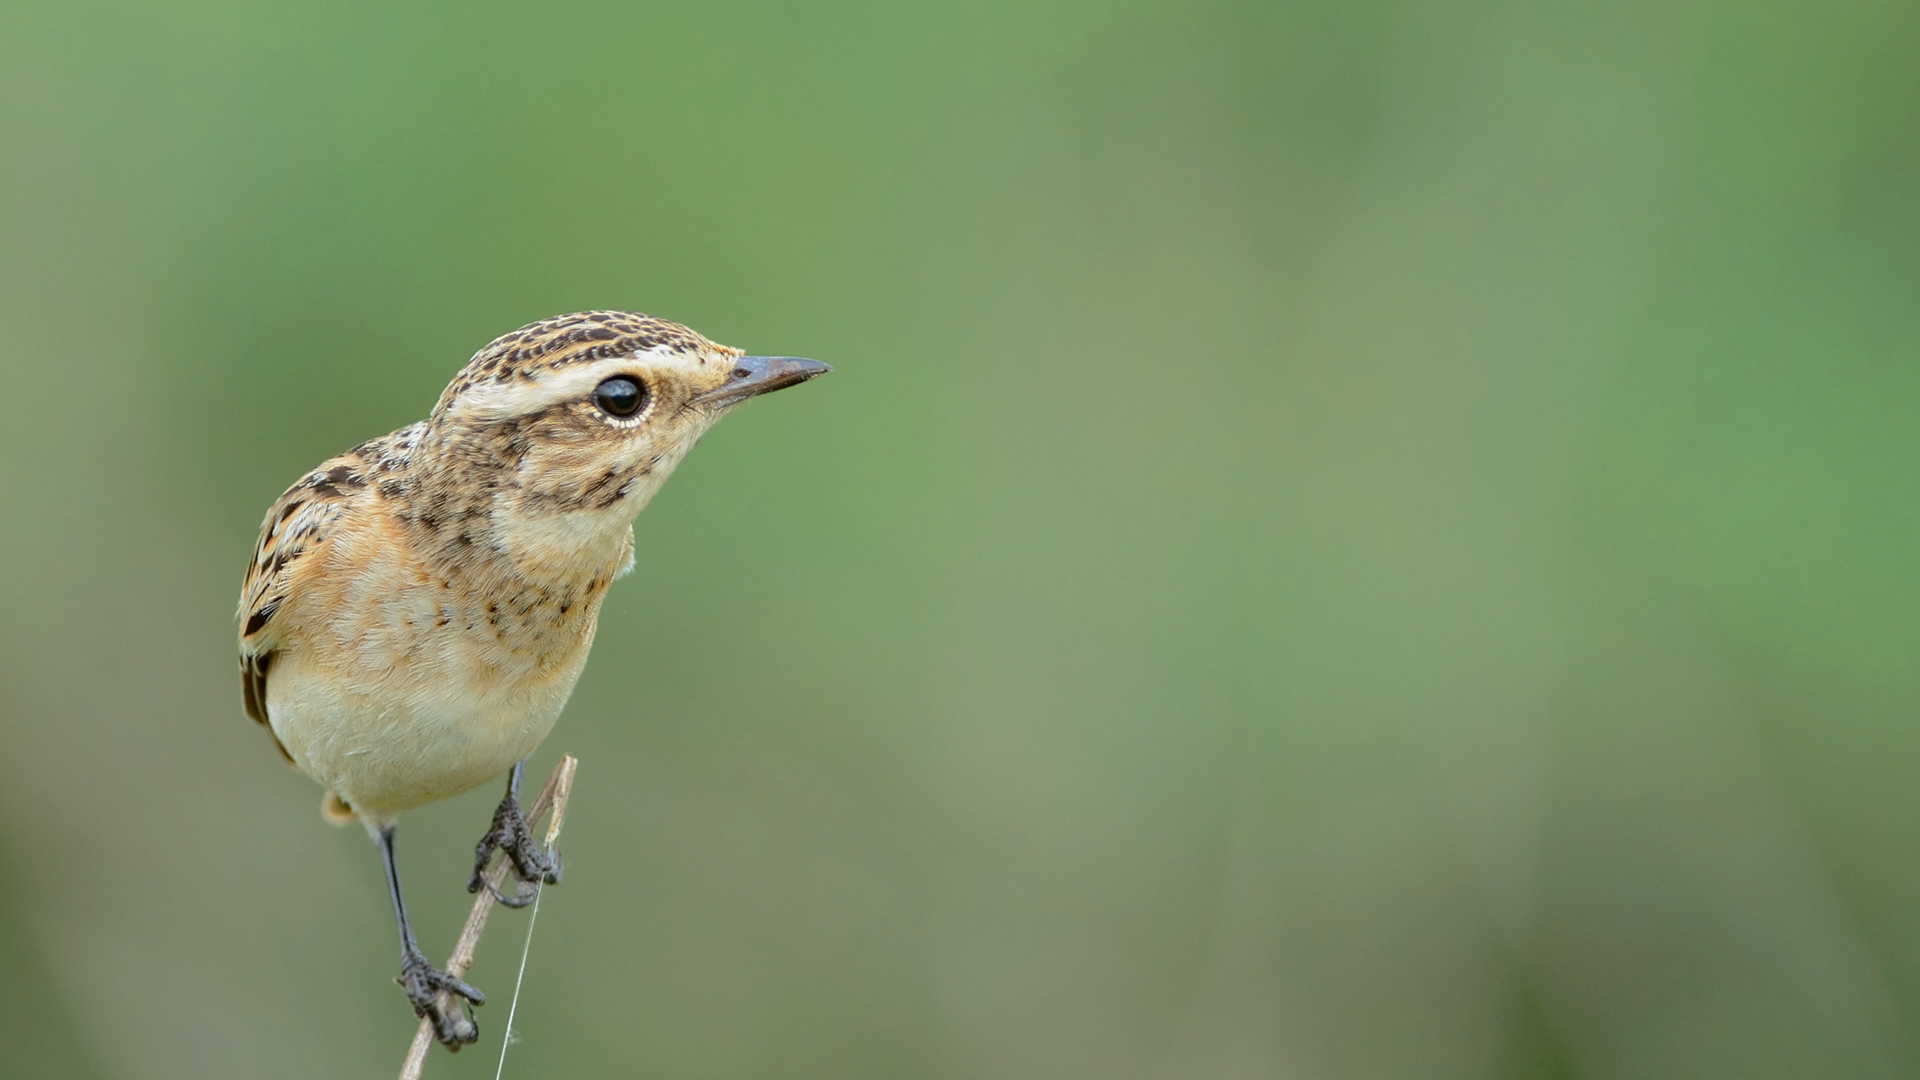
620	396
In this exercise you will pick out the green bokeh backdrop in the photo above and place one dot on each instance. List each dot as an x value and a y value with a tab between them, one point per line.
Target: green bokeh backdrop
1346	539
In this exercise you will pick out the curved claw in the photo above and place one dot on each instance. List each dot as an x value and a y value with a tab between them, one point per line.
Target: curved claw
522	896
530	862
423	983
536	864
530	865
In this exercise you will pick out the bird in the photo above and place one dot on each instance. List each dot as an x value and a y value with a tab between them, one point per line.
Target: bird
418	609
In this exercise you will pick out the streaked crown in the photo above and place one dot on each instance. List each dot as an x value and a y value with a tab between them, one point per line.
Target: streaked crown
536	352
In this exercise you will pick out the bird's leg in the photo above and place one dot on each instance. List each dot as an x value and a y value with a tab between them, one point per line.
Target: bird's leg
419	978
531	863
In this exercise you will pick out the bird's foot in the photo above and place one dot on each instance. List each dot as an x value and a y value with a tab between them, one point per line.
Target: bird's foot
423	983
531	863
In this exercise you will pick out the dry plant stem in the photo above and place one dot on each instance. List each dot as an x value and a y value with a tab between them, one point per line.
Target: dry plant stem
552	796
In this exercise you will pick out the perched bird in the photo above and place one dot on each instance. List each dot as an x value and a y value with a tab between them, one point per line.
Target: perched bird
418	609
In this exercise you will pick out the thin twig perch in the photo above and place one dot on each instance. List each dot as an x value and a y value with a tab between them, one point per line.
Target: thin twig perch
553	796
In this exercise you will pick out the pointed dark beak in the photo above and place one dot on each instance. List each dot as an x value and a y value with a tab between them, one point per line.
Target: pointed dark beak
755	375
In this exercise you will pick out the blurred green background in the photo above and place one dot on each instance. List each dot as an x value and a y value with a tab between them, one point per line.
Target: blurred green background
1347	539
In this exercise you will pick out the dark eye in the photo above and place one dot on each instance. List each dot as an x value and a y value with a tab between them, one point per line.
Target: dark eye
620	396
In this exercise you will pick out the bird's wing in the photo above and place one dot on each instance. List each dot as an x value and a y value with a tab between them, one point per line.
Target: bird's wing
296	524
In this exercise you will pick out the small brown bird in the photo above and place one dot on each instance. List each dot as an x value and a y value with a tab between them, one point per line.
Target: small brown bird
418	608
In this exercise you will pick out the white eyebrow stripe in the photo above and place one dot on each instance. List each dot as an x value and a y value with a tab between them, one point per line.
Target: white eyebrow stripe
517	397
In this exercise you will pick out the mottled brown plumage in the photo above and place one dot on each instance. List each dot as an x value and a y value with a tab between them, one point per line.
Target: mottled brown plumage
418	609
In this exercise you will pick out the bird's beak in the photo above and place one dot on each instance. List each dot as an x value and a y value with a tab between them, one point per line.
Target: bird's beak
755	375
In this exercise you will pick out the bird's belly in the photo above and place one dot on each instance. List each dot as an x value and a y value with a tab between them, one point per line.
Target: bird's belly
389	741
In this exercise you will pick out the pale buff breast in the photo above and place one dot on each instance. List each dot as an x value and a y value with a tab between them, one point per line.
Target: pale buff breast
384	753
394	688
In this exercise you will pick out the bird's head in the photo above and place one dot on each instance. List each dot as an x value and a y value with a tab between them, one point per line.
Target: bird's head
562	430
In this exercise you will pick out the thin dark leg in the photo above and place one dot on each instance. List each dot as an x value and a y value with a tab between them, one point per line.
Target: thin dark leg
418	977
531	863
